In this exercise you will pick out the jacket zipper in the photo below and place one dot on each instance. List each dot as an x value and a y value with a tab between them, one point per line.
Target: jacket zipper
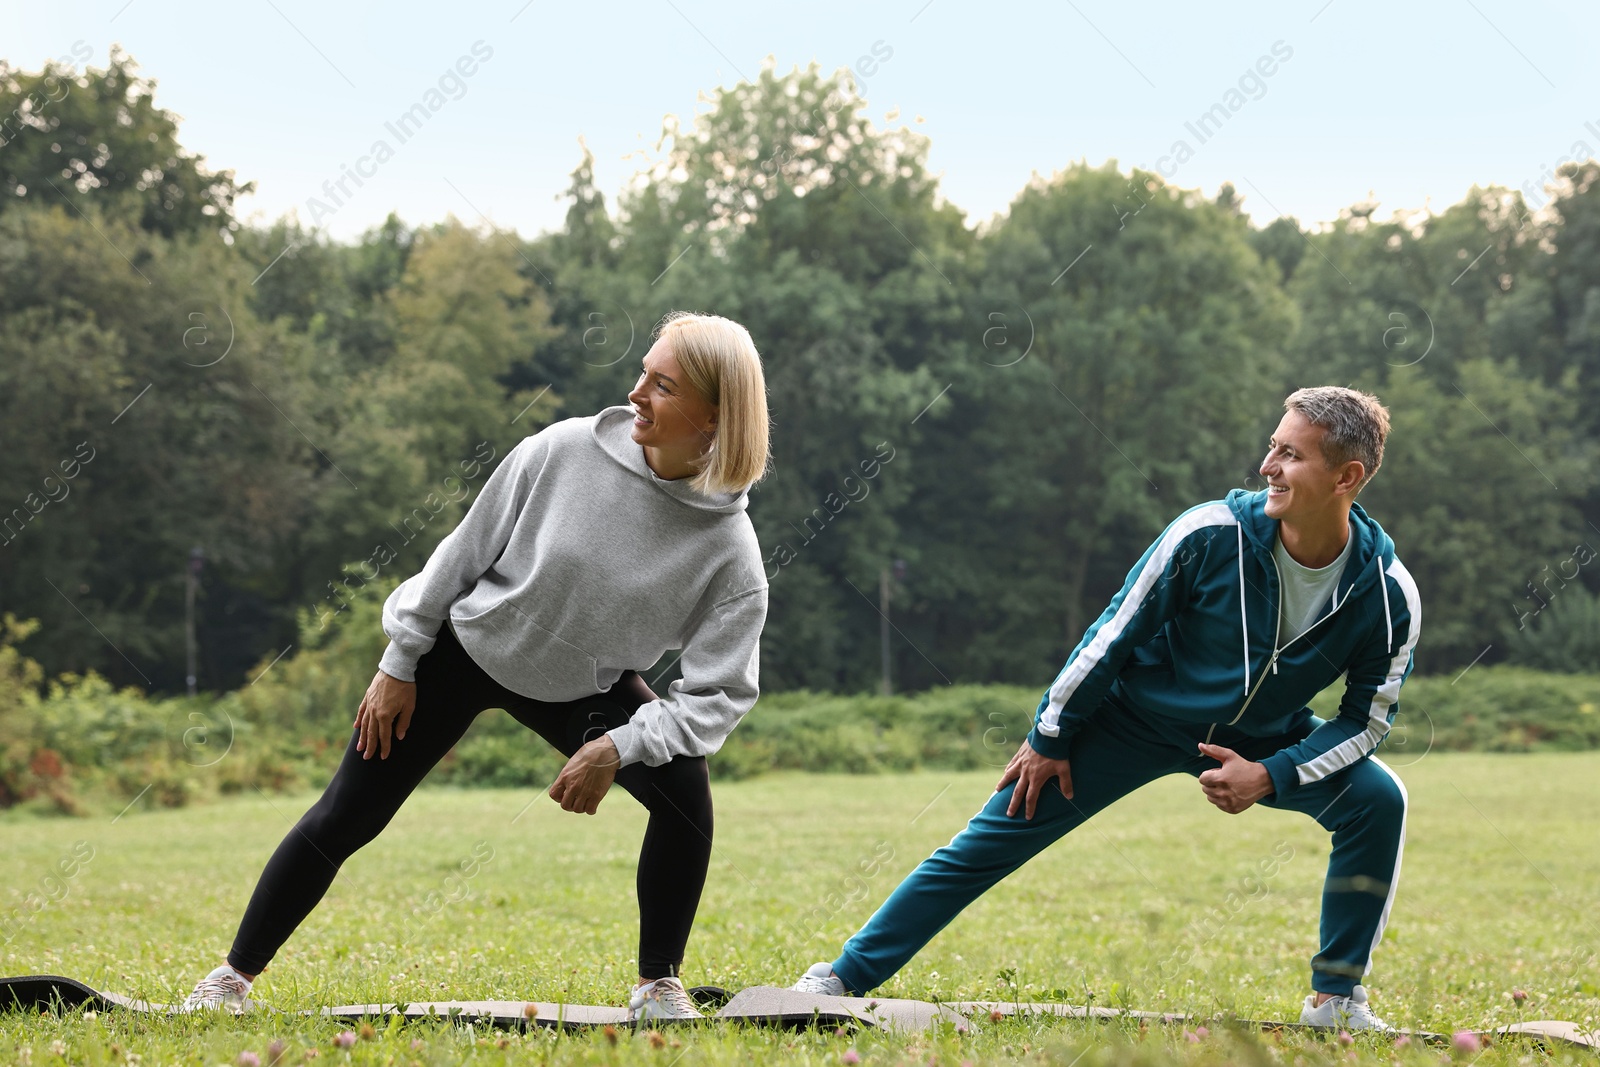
1277	650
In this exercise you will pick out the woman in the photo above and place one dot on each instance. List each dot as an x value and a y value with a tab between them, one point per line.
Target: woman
596	546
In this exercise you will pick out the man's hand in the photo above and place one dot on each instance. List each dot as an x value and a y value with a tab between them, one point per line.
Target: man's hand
386	709
1235	785
584	781
1032	772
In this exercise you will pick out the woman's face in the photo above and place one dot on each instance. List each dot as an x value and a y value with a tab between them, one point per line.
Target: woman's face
668	413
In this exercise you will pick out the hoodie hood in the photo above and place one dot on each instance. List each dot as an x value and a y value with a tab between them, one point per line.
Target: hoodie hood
613	430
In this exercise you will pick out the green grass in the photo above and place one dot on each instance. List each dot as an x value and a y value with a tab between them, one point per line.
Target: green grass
1497	893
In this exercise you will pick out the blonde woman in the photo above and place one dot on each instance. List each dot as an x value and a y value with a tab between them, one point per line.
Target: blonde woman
596	546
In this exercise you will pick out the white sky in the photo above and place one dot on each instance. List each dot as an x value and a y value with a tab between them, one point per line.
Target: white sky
1414	102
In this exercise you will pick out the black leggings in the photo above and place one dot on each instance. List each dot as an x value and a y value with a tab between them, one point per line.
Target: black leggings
451	690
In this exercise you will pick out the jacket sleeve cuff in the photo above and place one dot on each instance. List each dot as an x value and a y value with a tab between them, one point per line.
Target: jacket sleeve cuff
397	664
1285	775
1047	746
630	745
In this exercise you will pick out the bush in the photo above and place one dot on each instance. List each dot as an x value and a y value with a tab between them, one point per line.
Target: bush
498	752
957	728
82	740
84	744
1564	637
1492	709
318	689
28	769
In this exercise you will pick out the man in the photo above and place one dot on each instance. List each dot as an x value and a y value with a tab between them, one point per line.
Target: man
1240	612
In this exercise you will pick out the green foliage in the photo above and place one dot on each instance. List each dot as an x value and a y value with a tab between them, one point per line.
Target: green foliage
1454	321
1119	366
98	137
1564	636
821	232
318	688
85	738
83	744
1489	709
1478	488
26	770
955	728
1053	386
498	752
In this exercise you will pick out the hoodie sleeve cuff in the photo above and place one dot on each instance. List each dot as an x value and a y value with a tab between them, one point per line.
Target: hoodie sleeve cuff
630	745
396	664
1047	746
1285	776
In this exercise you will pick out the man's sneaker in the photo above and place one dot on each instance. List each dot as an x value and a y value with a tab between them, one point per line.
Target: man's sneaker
223	988
820	979
664	998
1343	1013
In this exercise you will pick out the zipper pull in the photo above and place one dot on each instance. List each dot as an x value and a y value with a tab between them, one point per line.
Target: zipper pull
1275	662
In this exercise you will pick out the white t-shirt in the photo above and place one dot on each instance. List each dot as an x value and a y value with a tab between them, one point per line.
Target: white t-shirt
1305	589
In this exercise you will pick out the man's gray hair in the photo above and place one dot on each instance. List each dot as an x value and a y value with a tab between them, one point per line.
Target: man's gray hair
1355	425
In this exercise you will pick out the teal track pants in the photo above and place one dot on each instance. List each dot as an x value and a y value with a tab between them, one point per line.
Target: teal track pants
1116	752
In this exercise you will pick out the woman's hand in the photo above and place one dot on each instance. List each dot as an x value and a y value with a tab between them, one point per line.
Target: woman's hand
583	782
386	709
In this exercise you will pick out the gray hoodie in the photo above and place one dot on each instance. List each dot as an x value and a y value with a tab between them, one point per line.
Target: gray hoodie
576	563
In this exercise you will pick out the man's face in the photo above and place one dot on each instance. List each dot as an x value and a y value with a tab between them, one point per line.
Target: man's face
1299	483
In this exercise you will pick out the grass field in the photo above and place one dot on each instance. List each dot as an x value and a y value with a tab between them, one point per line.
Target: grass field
1159	903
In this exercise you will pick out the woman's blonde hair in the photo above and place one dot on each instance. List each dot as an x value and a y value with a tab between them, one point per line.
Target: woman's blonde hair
722	365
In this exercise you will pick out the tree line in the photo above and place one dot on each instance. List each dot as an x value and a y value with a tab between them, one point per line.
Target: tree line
293	423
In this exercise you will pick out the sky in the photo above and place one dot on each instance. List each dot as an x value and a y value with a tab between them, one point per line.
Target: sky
1333	103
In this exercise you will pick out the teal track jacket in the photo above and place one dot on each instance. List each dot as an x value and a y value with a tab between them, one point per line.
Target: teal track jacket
1194	636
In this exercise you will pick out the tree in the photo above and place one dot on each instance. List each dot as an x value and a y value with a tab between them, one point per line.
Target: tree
99	137
1121	363
173	403
785	208
1477	489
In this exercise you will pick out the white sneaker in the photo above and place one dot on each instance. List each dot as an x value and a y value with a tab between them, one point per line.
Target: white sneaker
223	988
665	998
1343	1013
820	979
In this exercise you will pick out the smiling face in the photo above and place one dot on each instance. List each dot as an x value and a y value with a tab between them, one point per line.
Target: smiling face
1300	485
671	420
